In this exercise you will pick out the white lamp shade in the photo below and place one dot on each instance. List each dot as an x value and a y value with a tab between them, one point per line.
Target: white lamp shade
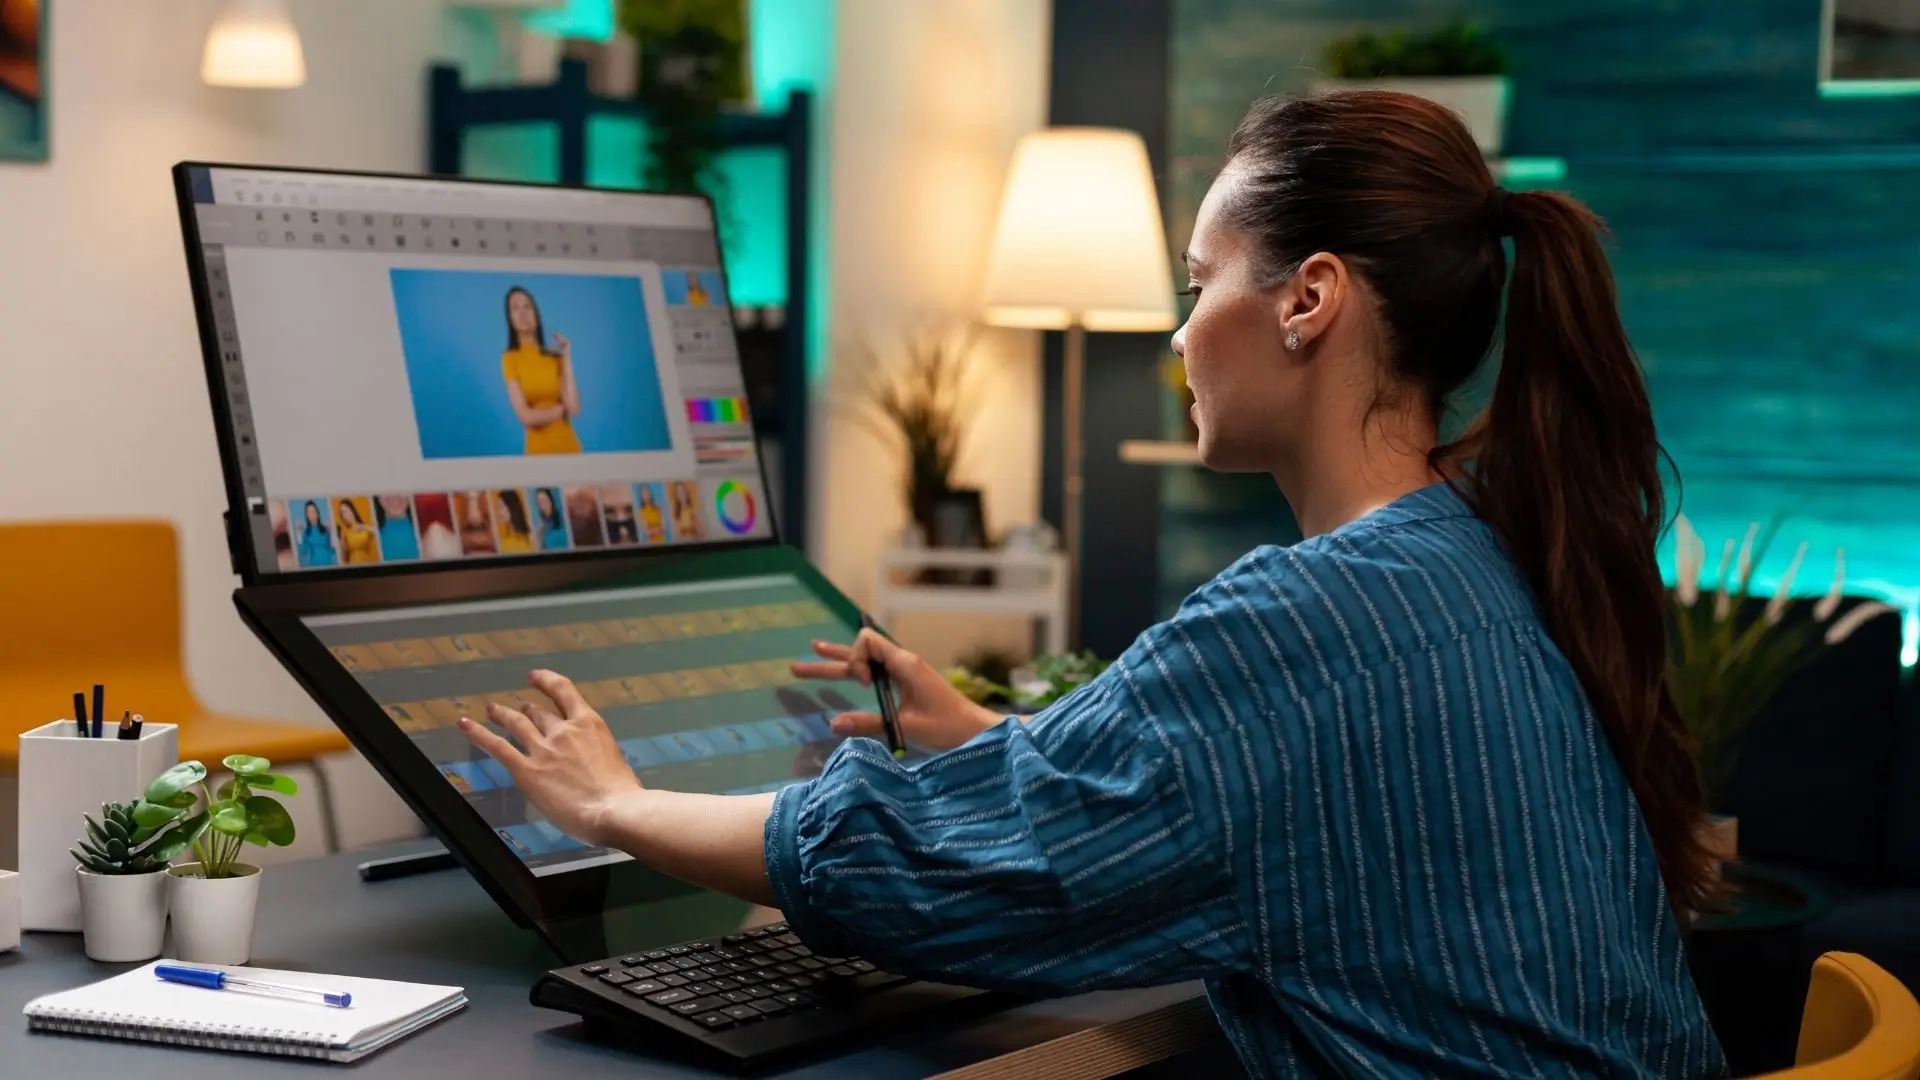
1079	237
253	44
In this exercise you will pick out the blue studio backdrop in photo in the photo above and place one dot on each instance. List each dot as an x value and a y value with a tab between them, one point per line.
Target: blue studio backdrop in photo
453	331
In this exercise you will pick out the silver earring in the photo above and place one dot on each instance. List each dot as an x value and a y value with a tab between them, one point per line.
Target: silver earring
1293	340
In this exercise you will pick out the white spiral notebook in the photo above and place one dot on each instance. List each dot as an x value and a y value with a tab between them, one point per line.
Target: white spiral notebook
137	1005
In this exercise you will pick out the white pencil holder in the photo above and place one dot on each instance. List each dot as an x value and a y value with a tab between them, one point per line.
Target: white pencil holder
9	911
64	777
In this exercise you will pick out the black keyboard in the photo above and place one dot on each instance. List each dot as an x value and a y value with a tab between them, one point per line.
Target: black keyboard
745	1000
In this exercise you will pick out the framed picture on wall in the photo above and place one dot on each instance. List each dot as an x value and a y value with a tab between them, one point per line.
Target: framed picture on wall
1869	47
23	80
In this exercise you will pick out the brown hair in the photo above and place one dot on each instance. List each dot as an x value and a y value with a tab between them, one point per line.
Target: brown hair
1563	463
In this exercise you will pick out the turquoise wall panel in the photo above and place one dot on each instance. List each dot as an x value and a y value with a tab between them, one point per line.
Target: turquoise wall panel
1767	243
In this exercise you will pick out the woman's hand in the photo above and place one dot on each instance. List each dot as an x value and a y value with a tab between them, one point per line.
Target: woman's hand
932	713
567	762
563	346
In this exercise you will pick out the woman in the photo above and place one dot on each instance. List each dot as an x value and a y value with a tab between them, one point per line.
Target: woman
516	533
553	527
358	545
686	515
399	542
540	383
652	522
316	544
1411	795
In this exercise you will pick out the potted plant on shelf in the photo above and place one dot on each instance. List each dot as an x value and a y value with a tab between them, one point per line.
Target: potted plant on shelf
693	63
123	884
1456	65
1727	660
923	403
214	897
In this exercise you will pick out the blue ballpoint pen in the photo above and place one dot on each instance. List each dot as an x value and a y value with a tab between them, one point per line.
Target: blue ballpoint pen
215	979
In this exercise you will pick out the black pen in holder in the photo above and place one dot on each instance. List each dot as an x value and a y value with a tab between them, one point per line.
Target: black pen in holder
883	690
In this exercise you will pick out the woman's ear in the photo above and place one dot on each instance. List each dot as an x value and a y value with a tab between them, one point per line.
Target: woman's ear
1312	297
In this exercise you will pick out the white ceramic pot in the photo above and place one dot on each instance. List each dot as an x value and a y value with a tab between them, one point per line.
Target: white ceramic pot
123	916
212	917
1481	100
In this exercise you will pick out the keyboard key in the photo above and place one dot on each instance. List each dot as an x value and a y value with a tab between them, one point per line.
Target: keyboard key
754	977
616	978
799	950
703	958
674	980
782	954
788	969
726	982
756	933
781	986
734	939
684	963
746	1014
729	952
714	1021
657	954
844	971
629	961
788	939
668	997
862	966
795	999
808	963
698	1005
772	1006
755	993
738	965
804	981
702	988
662	968
643	987
778	928
594	969
737	997
754	948
679	950
763	961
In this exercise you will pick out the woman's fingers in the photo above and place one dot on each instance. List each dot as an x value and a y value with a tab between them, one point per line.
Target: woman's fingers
820	669
515	722
858	723
496	747
543	716
832	650
561	690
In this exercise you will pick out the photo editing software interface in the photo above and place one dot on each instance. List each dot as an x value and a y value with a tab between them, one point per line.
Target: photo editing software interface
694	680
425	370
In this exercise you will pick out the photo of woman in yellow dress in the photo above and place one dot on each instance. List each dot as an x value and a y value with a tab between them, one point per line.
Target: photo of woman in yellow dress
510	514
686	511
540	381
358	543
653	521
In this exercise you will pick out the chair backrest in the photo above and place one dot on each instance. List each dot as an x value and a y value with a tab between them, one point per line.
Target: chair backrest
88	601
1860	1023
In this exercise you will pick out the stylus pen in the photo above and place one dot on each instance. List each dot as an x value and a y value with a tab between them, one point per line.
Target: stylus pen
99	709
80	713
883	689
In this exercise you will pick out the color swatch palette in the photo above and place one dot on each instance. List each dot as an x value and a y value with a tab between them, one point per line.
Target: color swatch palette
725	410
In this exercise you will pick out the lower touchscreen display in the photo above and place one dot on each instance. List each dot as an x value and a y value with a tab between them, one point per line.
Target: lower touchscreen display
693	679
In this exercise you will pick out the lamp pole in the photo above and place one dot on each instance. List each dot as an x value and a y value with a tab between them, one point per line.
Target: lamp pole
1073	483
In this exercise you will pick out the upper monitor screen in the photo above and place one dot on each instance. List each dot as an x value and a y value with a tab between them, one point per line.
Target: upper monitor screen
419	370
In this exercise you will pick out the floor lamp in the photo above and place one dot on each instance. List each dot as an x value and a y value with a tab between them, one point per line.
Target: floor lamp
1079	246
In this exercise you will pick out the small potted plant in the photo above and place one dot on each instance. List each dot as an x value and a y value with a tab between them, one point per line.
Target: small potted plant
1456	65
214	897
1726	660
123	894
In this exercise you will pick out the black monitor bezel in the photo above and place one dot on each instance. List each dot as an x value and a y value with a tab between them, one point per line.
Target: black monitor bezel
274	612
238	523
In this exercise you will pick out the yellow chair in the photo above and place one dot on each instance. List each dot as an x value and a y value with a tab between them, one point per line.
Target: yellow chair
99	601
1860	1023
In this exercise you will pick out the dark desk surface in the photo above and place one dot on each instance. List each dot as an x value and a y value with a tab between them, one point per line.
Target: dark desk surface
441	928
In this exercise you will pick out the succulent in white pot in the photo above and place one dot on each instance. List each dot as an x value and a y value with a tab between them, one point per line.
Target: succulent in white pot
123	882
1725	661
1457	65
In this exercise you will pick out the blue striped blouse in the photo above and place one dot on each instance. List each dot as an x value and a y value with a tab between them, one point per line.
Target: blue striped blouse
1351	784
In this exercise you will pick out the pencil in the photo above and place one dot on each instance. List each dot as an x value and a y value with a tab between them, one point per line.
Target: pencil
80	712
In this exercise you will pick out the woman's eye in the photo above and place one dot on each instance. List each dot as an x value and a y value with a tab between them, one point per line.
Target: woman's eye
1190	290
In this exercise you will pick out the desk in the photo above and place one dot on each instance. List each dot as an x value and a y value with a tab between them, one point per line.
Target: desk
441	928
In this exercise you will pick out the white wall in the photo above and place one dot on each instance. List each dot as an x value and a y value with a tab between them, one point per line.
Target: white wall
106	411
929	98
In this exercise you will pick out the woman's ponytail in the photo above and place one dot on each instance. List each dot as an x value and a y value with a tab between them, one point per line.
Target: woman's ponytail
1567	470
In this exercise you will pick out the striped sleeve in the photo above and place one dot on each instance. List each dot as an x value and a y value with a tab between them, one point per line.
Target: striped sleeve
1083	849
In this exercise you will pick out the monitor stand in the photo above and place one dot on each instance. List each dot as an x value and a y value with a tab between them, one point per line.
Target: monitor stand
399	866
